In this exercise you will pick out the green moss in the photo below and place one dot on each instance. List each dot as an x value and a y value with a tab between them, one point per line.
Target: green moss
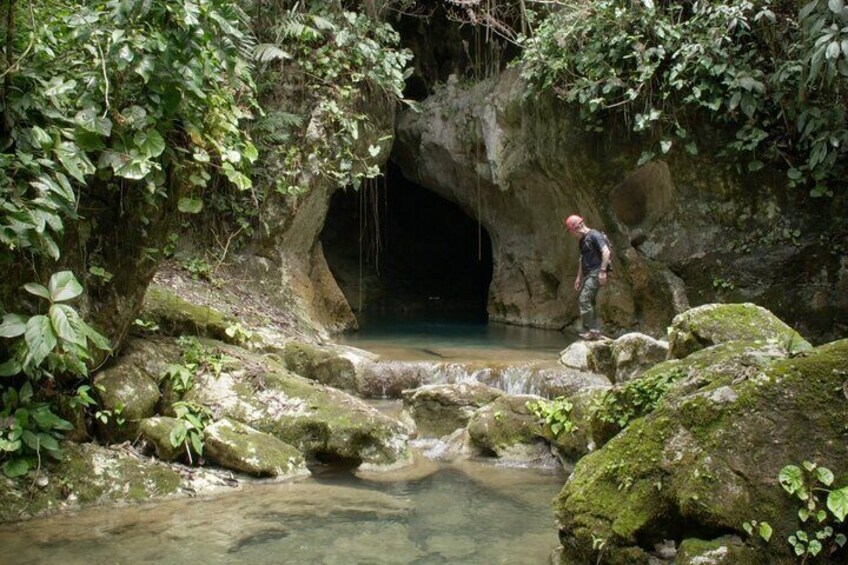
719	323
325	366
177	317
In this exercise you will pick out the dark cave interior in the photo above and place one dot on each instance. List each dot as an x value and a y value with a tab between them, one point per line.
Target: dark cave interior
395	247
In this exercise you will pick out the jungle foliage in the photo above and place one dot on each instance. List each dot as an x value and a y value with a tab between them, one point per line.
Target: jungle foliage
103	96
773	75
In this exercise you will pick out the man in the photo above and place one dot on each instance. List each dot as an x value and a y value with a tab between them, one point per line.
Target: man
591	273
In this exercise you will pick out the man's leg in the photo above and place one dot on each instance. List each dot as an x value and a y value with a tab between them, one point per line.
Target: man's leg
586	300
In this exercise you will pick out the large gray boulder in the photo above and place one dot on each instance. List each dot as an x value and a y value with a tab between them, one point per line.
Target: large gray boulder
707	460
233	445
712	324
508	429
335	366
438	410
633	353
129	393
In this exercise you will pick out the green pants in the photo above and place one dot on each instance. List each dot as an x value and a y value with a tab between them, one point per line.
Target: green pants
586	300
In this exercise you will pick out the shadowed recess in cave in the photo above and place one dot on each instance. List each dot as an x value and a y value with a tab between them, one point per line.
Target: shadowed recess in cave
396	248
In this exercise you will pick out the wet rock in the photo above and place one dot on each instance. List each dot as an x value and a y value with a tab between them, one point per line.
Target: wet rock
576	356
233	445
157	433
633	353
388	379
708	460
438	410
712	324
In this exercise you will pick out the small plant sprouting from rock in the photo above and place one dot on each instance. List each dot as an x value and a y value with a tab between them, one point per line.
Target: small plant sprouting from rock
195	358
556	414
636	398
239	334
763	529
810	483
188	432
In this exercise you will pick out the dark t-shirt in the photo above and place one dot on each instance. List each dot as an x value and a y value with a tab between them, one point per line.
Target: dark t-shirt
591	245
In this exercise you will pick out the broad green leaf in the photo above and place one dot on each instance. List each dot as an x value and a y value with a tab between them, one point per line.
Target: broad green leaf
149	143
62	326
74	160
40	340
58	86
791	479
814	548
33	441
13	325
825	476
134	168
837	502
10	368
40	137
16	468
38	290
90	120
765	531
250	152
136	116
48	442
197	443
836	6
190	205
64	286
241	181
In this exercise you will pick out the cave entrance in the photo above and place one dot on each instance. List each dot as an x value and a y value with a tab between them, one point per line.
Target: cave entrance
396	248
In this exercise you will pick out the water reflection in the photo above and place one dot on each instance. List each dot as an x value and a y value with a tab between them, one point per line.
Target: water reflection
443	336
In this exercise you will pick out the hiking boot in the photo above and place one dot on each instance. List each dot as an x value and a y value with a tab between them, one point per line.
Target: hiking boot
591	335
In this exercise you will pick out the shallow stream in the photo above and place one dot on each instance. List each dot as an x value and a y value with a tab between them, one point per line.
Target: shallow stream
470	513
433	513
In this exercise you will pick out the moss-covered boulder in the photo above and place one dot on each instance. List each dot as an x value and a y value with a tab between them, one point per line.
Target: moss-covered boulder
129	393
438	410
88	474
706	461
233	445
508	429
637	397
322	422
712	324
156	433
633	353
726	550
176	316
333	366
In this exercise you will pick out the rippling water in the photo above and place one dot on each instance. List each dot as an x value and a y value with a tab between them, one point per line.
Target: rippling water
465	513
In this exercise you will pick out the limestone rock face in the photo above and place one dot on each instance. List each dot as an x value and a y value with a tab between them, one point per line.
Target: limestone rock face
334	366
508	429
319	420
520	165
712	324
633	353
177	317
438	410
707	460
87	474
233	445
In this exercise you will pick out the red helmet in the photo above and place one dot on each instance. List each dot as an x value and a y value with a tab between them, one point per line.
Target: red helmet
573	222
